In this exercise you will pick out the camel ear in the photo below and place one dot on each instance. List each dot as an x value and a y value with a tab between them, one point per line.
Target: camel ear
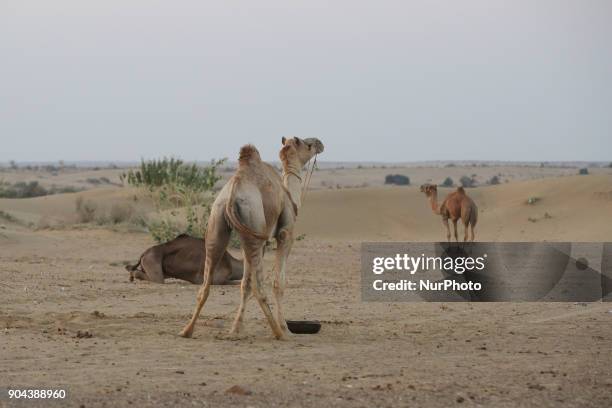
298	141
283	140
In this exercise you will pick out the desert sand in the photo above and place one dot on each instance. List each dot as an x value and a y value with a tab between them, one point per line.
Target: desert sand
59	280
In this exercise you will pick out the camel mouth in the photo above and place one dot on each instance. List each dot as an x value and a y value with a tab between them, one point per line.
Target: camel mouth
316	143
427	188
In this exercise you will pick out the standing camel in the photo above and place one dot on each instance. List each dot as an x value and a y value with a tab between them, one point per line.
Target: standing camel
258	204
456	205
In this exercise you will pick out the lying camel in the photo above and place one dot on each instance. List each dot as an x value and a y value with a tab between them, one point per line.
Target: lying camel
456	205
183	258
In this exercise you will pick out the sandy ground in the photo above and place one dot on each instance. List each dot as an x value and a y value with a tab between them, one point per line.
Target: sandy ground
55	283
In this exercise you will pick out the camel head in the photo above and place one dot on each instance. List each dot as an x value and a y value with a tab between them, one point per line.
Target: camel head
429	189
302	149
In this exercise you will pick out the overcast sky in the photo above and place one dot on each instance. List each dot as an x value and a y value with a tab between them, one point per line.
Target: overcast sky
374	80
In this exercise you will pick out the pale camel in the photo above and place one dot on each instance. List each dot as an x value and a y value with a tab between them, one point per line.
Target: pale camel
259	205
456	205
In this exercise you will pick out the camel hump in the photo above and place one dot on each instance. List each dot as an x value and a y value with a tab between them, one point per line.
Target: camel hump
248	154
460	190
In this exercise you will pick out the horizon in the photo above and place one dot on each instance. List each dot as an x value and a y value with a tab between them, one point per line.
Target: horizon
327	163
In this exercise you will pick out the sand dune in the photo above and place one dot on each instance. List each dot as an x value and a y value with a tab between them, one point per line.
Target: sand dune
61	207
402	213
576	206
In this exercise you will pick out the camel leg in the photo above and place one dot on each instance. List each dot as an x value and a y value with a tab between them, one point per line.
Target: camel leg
448	235
217	238
245	292
138	274
152	267
465	231
455	230
284	242
472	228
252	280
259	293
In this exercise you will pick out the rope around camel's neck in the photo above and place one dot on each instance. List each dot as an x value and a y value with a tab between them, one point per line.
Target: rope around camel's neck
292	179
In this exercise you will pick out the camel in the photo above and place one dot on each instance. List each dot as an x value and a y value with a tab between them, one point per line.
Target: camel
456	205
182	258
259	204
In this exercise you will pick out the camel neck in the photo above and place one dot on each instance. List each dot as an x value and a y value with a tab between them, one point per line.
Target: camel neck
292	179
433	200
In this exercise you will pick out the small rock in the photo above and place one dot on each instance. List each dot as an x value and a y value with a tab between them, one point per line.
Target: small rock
180	371
460	399
238	390
83	334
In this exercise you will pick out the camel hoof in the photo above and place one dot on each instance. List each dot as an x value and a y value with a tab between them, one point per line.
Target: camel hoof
186	333
236	329
284	337
232	336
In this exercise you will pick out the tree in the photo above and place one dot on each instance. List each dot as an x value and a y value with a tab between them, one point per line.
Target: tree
397	179
467	182
448	182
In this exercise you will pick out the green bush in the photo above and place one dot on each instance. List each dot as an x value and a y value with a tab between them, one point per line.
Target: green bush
173	172
171	185
164	230
397	179
448	182
467	182
583	171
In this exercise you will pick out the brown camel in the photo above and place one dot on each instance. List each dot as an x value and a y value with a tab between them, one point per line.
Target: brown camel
456	205
182	258
259	204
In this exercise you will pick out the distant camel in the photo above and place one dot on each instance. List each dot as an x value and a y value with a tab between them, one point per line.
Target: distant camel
259	204
182	258
456	205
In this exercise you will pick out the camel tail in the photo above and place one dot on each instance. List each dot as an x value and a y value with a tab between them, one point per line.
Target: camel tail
473	215
232	213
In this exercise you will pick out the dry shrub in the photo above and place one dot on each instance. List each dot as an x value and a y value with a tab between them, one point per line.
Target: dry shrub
121	212
85	209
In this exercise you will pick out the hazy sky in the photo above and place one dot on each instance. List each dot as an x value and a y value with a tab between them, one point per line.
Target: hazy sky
374	80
